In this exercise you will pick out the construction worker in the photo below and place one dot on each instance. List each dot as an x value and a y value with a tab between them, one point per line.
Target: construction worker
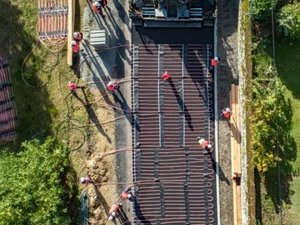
104	4
112	216
215	61
112	85
114	210
97	8
203	143
75	46
77	36
86	180
73	86
166	76
226	113
127	194
236	176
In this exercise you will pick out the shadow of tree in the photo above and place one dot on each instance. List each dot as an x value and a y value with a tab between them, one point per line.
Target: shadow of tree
288	67
35	111
71	188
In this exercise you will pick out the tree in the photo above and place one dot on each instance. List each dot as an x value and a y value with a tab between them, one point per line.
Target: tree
261	9
31	186
272	116
289	20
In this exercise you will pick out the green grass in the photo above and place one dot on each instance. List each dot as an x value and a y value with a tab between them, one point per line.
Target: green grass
288	63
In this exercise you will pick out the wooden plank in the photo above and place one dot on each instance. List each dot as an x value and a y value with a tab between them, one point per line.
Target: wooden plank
71	20
235	151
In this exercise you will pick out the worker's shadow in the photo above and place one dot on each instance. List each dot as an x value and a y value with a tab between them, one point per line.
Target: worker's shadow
91	54
182	105
120	40
215	165
123	104
102	199
91	114
202	83
123	218
139	213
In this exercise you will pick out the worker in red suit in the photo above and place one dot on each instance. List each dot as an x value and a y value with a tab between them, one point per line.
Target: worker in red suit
73	86
166	76
86	180
104	4
97	7
203	143
112	85
127	194
226	113
214	62
75	46
77	36
114	211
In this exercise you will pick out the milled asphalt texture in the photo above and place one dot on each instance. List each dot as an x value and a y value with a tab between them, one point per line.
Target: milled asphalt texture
115	64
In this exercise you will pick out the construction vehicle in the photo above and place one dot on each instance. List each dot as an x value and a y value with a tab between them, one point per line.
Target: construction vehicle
163	13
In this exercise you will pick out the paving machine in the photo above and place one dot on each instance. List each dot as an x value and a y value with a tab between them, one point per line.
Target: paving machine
163	13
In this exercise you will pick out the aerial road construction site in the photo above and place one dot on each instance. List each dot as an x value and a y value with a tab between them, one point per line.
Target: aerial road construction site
163	143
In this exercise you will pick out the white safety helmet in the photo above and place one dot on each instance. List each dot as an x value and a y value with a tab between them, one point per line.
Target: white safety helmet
76	35
110	218
97	4
216	58
73	43
113	213
227	110
129	195
82	179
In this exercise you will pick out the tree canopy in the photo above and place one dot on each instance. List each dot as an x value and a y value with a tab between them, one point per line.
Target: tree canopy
289	19
31	186
261	9
271	116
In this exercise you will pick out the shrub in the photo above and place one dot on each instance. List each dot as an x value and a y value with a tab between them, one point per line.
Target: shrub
31	187
289	20
260	9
